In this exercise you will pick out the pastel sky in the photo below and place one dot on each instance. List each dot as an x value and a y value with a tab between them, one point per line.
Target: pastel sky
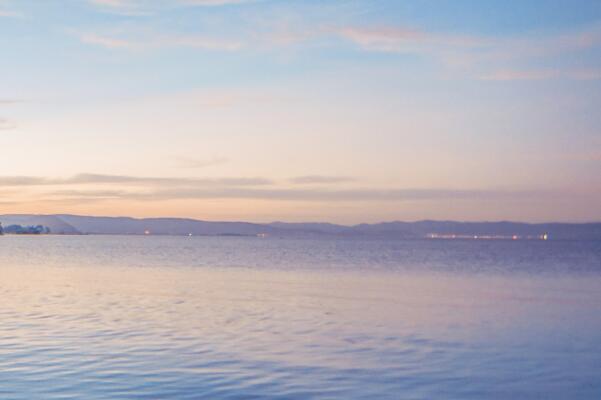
316	110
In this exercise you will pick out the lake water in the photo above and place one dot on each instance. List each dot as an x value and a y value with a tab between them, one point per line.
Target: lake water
110	317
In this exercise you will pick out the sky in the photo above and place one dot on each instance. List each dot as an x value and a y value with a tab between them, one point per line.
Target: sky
345	111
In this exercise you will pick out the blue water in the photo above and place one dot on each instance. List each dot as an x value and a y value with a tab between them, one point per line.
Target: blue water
108	317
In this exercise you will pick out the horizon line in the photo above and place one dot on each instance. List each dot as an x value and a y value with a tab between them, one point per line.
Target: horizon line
313	222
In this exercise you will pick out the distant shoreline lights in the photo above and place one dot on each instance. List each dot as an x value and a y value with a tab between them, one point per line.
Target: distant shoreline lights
451	236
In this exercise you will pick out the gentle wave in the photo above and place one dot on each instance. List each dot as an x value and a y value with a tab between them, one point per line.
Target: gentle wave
235	318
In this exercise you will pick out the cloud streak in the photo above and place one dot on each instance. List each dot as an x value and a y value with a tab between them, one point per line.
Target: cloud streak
9	101
482	57
501	59
87	178
133	188
310	195
214	3
543	74
113	42
6	125
517	75
402	39
106	41
320	179
148	7
130	8
5	13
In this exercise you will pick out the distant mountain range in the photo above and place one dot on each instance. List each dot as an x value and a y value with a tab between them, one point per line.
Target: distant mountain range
76	224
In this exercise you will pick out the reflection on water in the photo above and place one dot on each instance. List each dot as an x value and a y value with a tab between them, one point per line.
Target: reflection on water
191	318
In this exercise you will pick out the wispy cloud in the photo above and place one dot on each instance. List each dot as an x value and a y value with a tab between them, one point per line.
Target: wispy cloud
159	41
494	58
122	7
149	7
531	56
88	178
321	179
6	124
213	3
106	41
6	12
312	195
9	101
514	75
9	14
112	3
543	74
403	39
89	194
98	187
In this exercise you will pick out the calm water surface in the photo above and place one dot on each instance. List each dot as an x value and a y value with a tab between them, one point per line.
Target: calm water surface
108	317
